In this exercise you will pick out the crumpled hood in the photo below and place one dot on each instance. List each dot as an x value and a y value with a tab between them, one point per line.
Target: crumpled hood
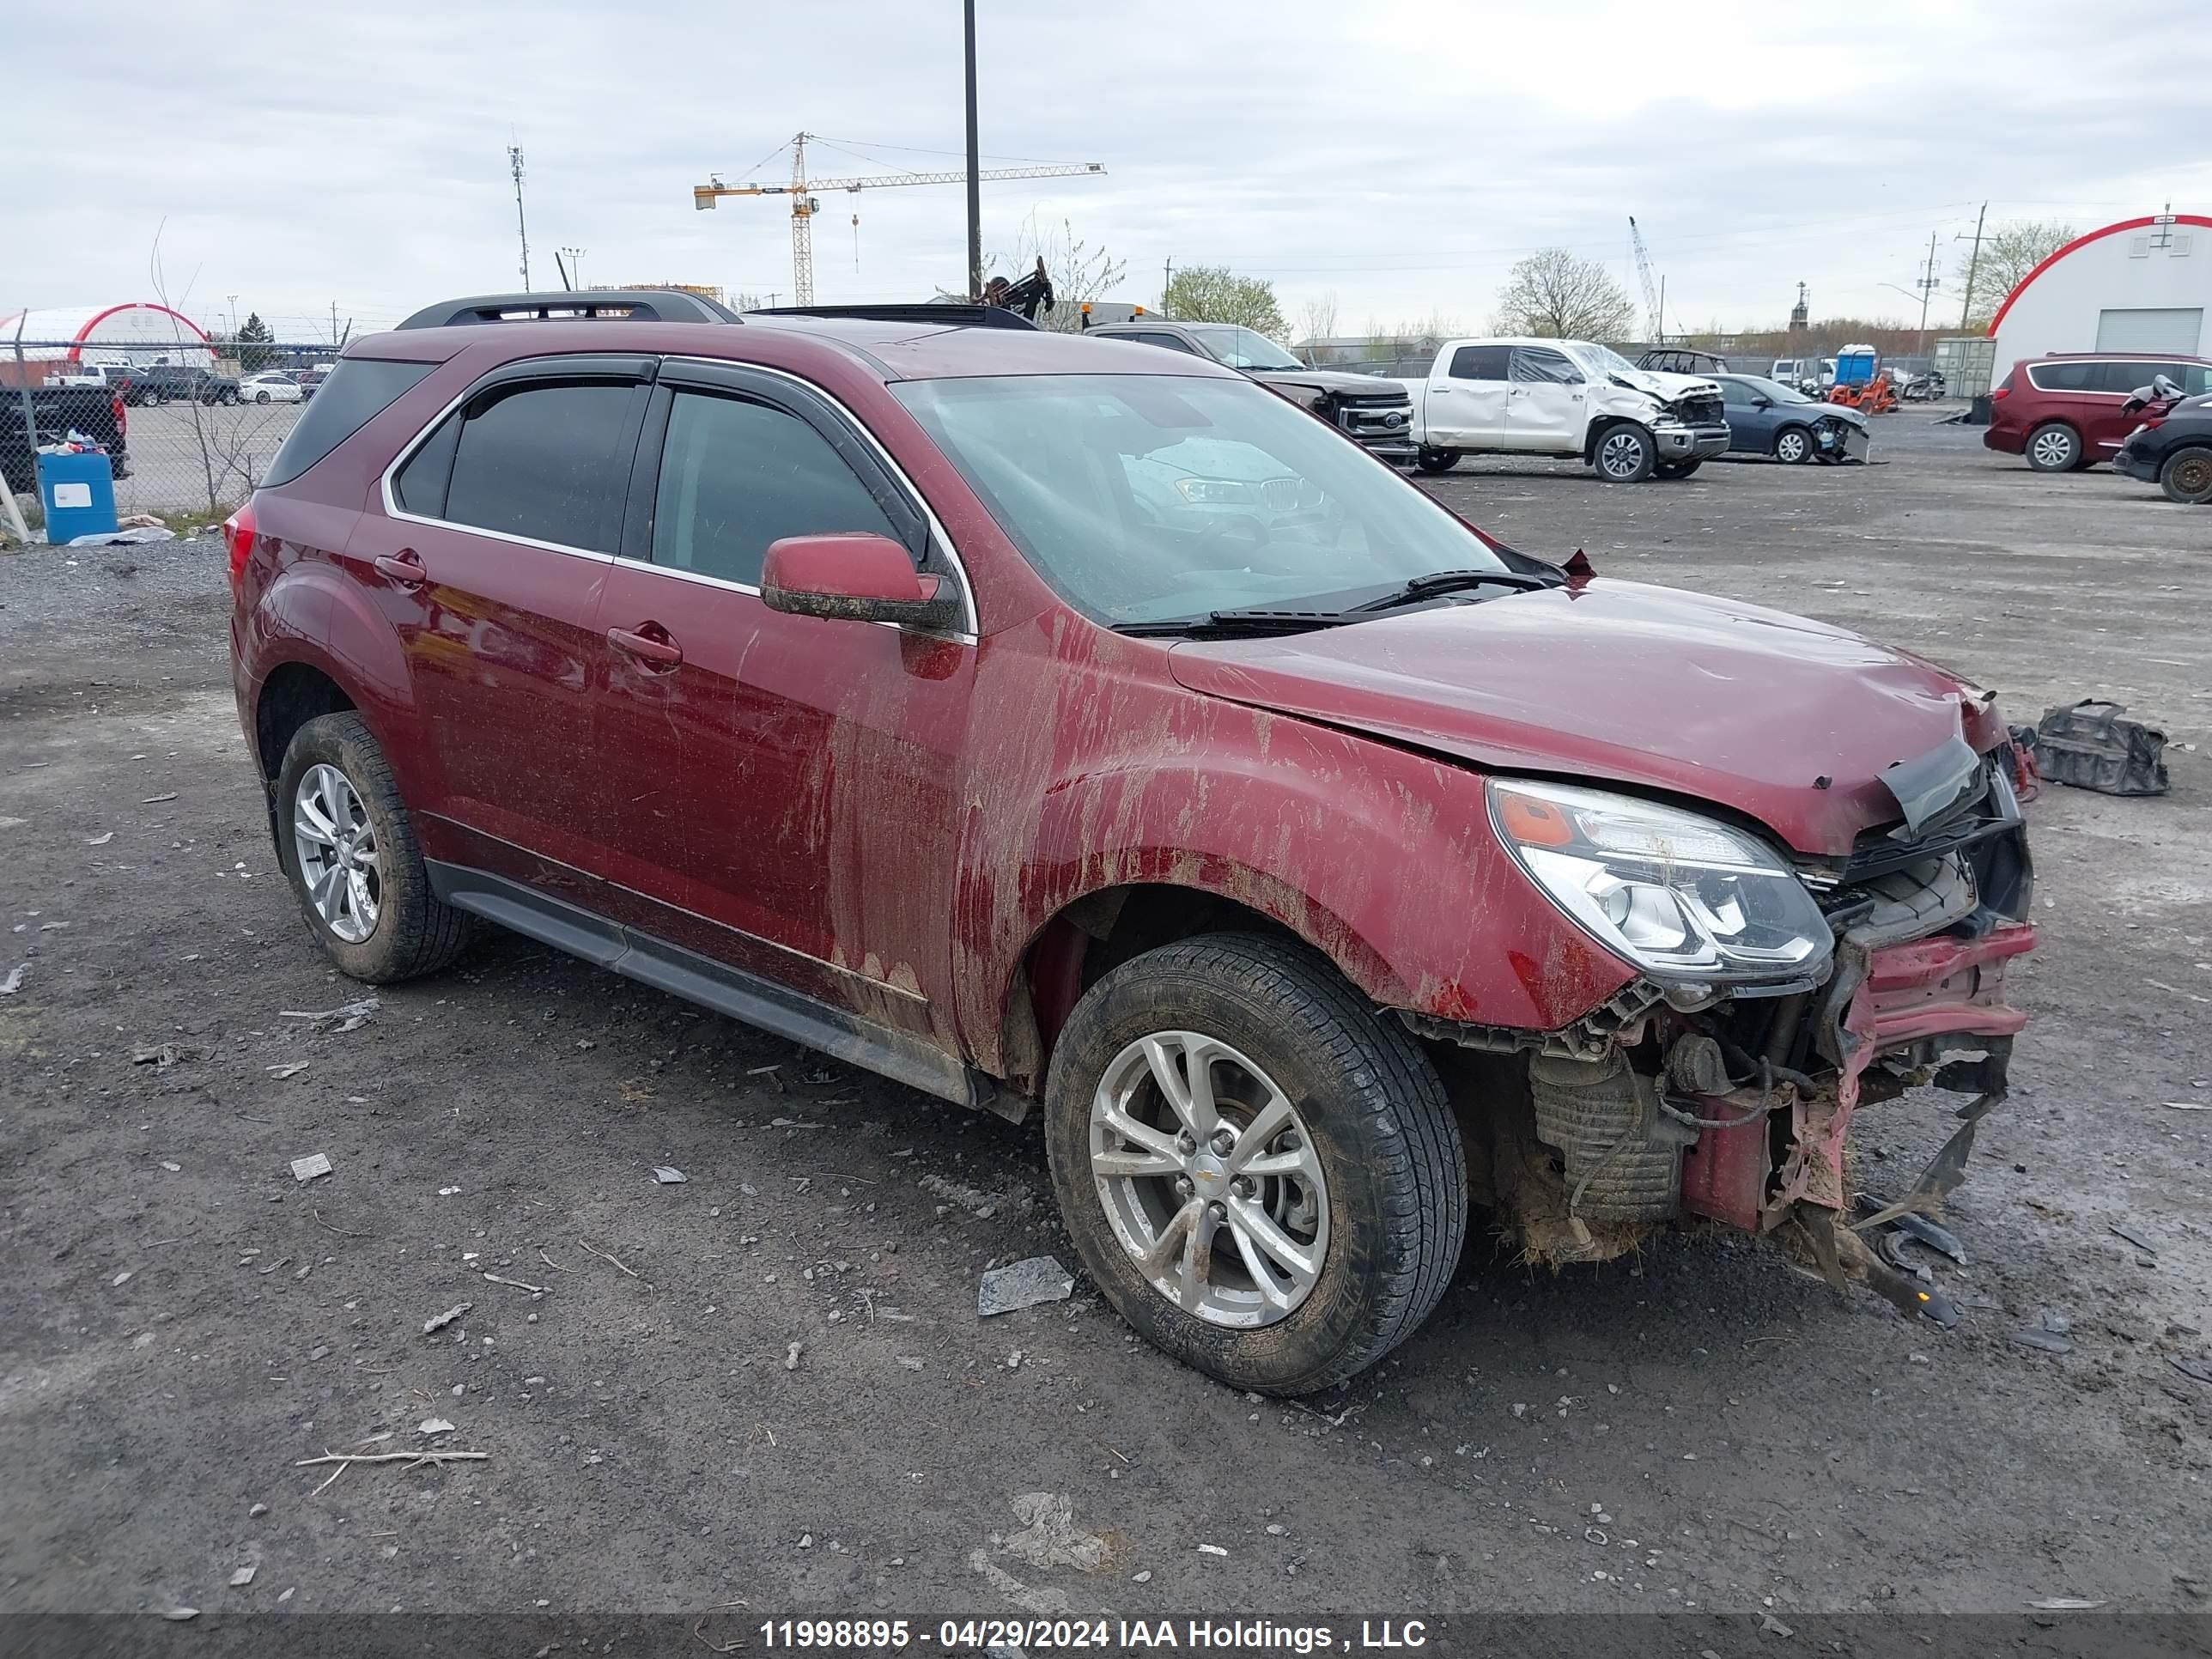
1787	720
1669	388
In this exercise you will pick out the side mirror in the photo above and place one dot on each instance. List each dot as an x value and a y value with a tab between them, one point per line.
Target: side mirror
854	576
1762	401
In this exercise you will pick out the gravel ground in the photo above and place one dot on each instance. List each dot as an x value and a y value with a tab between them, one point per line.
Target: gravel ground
180	1323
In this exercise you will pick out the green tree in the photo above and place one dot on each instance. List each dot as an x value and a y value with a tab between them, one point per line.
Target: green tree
2009	250
1213	294
1553	295
253	339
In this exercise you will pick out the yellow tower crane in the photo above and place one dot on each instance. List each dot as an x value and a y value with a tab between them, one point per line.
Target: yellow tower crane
804	206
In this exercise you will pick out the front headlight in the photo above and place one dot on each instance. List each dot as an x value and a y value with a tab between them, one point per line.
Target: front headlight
1218	492
1691	901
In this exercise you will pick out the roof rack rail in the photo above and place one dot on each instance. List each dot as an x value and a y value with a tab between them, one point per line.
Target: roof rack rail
947	314
636	305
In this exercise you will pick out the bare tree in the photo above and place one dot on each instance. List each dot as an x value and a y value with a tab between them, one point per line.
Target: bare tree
1556	295
1317	326
1214	294
231	446
1079	271
2009	252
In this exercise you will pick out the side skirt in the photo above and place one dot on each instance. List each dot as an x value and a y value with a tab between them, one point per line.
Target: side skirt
837	1032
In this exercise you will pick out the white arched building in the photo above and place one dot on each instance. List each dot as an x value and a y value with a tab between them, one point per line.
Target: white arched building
139	332
2141	285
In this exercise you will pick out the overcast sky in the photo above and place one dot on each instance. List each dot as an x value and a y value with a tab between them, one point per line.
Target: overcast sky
1397	157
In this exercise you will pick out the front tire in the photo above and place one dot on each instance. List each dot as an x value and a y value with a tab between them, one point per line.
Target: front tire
1793	446
260	396
1624	454
1258	1168
2186	478
1676	469
2054	446
349	849
1435	460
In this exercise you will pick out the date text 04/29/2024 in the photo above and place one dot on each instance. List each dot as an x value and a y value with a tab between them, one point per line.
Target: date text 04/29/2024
1096	1635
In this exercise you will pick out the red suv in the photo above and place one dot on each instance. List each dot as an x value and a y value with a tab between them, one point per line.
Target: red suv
2062	411
1057	724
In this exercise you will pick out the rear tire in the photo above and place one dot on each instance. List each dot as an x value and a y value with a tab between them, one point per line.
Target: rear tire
2054	446
409	932
2186	478
1362	1115
1435	460
1624	454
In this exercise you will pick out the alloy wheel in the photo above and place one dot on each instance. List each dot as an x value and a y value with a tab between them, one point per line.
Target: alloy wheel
1209	1179
335	844
1620	455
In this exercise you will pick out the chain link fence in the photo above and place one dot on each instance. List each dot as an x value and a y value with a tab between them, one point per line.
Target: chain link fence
188	429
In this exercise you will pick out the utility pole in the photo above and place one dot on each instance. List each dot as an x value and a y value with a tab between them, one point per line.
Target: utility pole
1973	268
334	323
1928	283
572	272
975	164
233	298
1167	282
521	228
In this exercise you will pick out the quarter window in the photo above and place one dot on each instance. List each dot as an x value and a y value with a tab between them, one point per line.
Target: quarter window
735	476
2065	377
550	462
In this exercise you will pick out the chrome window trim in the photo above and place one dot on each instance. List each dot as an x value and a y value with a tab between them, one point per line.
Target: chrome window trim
940	541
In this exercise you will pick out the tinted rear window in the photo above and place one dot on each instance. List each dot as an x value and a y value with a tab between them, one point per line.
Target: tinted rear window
2065	377
358	389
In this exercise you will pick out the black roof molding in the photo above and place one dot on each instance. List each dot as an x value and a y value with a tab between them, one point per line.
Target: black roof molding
635	305
945	314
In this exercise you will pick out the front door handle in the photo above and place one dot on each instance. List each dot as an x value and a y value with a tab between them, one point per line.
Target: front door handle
405	567
650	644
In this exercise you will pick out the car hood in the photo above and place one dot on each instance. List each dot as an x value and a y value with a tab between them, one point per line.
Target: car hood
1669	387
1786	720
1334	381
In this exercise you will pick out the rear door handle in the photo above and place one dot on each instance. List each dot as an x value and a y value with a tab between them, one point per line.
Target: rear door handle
405	567
650	643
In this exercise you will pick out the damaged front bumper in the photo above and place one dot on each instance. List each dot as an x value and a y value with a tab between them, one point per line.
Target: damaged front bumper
1737	1107
1681	440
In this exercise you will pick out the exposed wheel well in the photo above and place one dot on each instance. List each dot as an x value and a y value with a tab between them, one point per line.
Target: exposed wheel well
1091	937
293	695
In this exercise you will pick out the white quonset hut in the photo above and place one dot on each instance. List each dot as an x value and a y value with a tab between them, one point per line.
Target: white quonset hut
137	331
2141	285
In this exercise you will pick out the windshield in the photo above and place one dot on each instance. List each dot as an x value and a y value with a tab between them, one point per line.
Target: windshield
1597	360
1774	389
1244	348
1161	498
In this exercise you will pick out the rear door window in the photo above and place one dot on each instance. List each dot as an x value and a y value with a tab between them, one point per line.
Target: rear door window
736	475
1485	363
550	462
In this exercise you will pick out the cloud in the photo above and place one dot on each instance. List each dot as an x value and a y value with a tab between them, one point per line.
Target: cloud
1399	158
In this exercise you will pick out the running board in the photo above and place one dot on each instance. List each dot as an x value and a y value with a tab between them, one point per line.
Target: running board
838	1032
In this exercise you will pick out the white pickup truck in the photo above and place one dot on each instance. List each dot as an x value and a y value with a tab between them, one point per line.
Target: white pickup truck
1567	397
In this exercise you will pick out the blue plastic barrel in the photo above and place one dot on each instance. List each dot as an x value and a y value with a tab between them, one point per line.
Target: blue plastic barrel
78	494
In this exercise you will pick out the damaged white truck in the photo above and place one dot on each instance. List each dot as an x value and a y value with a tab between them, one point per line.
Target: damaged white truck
1570	398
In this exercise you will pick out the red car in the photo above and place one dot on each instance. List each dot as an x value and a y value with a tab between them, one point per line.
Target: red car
2062	411
1057	724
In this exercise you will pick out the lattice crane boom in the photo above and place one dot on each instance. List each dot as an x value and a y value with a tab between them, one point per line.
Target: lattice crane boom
1658	325
804	206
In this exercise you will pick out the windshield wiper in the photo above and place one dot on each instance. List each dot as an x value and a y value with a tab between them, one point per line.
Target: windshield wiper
1239	622
1454	581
